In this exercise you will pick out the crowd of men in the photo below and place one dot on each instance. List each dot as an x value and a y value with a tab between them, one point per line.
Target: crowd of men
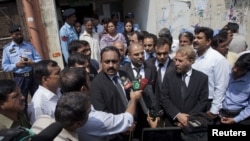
137	80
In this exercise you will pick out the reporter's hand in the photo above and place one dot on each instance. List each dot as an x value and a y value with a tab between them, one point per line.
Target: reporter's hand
153	123
135	95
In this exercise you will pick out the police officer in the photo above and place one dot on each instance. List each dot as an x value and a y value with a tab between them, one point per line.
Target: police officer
18	57
68	32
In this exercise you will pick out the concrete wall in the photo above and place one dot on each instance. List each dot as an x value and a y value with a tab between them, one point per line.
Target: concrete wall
181	15
50	23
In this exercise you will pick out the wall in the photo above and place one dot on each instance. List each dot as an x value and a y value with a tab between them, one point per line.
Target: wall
50	24
181	15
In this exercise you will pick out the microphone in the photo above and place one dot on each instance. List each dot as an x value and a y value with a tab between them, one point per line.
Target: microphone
126	83
143	83
49	133
137	84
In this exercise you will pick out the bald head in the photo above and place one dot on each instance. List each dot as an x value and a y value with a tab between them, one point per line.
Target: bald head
136	54
134	46
120	46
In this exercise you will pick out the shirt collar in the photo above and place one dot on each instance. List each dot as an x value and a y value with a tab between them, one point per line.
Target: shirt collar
50	95
164	65
7	122
189	73
13	44
205	53
142	66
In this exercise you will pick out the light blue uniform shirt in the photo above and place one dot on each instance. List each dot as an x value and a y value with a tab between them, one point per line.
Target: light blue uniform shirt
238	97
12	53
67	34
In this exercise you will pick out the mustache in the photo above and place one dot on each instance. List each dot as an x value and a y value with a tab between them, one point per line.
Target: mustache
111	69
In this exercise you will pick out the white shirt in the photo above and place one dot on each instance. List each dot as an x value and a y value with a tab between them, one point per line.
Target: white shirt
213	64
163	68
93	41
101	124
142	71
43	103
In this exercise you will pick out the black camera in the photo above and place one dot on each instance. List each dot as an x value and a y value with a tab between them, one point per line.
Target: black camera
154	114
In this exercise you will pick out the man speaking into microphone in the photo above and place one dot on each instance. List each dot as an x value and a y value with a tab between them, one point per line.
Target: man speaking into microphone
139	70
107	91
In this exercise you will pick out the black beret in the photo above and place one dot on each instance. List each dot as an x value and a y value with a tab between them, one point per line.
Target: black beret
14	28
69	12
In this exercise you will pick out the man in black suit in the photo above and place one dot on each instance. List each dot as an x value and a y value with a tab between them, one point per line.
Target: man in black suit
104	94
107	92
163	63
138	67
184	90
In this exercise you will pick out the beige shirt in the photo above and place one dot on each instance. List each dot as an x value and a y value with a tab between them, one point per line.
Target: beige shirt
6	122
44	121
231	58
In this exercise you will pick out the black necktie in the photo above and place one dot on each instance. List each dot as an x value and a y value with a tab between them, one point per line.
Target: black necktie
96	29
151	55
160	65
120	90
137	72
183	86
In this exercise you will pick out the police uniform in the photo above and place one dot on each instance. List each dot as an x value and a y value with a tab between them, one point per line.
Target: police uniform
13	53
67	34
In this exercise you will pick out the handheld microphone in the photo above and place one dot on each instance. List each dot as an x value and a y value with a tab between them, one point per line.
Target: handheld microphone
126	83
143	83
49	133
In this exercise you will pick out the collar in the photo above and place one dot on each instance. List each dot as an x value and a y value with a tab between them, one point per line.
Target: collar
85	33
164	65
189	73
13	44
50	95
141	67
7	122
111	76
67	25
204	55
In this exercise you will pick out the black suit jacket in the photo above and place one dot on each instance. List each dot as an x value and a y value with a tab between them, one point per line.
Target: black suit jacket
104	95
196	97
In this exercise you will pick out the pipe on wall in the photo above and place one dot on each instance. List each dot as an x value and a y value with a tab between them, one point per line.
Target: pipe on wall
32	28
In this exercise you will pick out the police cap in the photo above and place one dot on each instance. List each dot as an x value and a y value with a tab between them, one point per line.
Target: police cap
69	12
14	28
130	15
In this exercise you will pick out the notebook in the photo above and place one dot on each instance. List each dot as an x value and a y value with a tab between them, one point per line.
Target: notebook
161	134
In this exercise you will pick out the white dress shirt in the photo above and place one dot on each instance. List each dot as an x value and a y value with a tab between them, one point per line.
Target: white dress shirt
213	64
43	103
93	41
163	68
100	125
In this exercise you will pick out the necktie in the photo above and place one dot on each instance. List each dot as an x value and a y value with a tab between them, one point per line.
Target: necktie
137	72
160	65
151	55
96	29
183	86
120	90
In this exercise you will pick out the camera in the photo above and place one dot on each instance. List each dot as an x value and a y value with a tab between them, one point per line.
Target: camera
154	114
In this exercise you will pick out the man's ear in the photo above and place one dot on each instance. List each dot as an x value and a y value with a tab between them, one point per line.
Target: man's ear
83	89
